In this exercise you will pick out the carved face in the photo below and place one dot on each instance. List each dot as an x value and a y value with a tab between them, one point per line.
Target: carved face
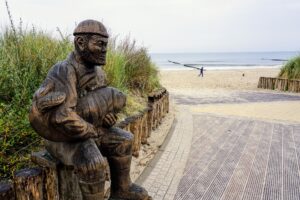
93	49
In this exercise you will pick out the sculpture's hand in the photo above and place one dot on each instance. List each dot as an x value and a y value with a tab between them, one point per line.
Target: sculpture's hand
109	120
42	91
46	99
50	100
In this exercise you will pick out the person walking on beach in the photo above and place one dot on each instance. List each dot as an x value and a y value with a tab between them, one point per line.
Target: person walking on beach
201	71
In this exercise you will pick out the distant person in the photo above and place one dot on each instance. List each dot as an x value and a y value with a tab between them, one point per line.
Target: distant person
201	71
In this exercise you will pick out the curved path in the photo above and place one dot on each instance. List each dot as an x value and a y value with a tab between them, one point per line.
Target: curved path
225	154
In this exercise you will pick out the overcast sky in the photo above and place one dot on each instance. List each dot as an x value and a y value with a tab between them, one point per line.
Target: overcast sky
174	25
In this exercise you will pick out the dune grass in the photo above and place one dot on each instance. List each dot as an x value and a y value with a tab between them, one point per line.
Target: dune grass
291	70
25	58
129	67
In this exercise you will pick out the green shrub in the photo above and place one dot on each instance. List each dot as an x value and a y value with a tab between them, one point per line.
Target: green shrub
291	70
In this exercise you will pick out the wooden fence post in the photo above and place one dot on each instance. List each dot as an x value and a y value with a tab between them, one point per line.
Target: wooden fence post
49	165
28	184
259	85
279	84
144	127
276	84
149	118
167	101
154	115
135	130
297	86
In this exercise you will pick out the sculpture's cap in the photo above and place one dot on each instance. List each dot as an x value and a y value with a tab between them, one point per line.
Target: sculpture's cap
90	27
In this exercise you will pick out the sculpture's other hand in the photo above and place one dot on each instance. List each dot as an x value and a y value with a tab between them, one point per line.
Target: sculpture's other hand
42	91
51	100
109	120
46	99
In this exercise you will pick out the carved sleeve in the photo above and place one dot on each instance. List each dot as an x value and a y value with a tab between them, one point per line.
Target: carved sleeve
64	118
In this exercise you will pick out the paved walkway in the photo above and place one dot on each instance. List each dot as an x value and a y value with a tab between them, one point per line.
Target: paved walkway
165	173
210	156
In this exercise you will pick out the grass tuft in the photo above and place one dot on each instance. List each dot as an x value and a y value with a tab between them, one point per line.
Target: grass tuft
291	70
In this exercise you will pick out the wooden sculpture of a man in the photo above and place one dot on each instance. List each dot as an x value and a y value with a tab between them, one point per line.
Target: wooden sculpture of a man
75	111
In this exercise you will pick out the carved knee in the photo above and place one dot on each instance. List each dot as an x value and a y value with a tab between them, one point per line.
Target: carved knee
124	149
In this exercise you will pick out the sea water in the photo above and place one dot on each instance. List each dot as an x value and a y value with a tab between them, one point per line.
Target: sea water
215	61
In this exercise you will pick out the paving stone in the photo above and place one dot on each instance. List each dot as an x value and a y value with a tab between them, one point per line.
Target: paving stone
212	157
255	183
236	185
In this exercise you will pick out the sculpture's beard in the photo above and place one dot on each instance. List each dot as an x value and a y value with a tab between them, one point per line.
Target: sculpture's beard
92	58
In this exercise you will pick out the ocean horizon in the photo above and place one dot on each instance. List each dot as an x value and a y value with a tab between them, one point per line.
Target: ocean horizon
222	60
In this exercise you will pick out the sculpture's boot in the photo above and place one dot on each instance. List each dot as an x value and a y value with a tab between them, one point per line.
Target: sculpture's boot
121	186
92	185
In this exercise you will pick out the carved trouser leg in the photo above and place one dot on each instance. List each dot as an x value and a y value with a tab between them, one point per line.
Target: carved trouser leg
117	147
88	163
90	166
92	185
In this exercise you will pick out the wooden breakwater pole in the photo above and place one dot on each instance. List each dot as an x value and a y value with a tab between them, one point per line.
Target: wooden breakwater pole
51	180
279	84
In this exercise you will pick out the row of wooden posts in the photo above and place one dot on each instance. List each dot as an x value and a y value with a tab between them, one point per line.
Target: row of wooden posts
279	84
53	181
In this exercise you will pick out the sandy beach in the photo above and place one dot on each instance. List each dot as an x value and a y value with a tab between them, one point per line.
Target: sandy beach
215	79
224	88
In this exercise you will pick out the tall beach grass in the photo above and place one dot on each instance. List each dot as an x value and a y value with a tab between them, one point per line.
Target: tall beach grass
291	70
25	58
130	67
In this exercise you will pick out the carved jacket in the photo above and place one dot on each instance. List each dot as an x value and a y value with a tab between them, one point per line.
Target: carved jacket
53	113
